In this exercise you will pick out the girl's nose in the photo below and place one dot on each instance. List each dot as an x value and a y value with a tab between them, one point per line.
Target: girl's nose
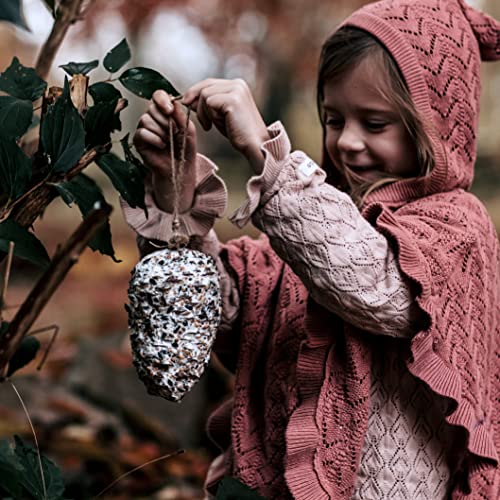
350	140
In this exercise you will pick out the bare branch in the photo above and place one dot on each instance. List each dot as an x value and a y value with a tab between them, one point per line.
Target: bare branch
34	204
51	341
6	278
62	262
68	12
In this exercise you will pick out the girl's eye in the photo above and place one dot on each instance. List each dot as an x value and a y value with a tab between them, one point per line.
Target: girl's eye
375	125
334	122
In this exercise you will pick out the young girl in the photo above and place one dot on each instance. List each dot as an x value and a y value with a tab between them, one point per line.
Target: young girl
363	325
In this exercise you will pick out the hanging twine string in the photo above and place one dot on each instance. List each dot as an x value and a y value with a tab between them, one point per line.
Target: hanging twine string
178	239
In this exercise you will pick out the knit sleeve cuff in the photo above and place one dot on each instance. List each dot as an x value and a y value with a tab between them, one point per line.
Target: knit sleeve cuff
276	152
210	201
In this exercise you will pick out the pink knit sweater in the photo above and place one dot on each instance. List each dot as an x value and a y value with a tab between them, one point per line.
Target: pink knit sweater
302	397
446	245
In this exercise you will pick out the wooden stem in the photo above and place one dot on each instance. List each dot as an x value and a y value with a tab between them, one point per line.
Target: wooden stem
38	200
64	259
69	12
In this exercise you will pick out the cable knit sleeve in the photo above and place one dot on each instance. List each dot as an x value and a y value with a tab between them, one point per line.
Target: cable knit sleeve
345	263
155	228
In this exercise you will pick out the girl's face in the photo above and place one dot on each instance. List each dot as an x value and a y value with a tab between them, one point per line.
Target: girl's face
365	136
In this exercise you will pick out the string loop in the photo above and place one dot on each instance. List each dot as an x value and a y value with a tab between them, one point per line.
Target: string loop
178	239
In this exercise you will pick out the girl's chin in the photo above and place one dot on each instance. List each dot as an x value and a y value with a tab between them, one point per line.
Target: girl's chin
368	176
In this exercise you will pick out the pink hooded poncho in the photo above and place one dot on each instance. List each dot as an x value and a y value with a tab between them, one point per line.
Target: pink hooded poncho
306	425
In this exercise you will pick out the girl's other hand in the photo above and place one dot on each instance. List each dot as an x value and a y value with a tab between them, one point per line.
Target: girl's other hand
152	135
229	105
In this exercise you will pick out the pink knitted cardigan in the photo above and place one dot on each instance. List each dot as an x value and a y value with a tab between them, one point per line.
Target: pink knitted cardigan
301	399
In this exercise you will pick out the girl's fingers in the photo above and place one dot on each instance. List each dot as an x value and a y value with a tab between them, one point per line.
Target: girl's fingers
145	138
203	114
158	116
194	92
162	101
149	123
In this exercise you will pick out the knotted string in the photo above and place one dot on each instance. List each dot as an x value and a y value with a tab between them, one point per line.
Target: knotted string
178	239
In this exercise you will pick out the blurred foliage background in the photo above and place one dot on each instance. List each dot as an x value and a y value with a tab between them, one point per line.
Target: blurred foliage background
90	412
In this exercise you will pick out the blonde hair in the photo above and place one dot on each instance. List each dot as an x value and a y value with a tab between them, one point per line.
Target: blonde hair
345	49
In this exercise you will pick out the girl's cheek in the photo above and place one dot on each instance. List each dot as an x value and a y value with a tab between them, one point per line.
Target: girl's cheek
330	143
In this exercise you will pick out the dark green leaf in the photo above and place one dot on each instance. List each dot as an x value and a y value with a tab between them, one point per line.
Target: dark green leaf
62	134
15	169
117	57
144	81
126	178
12	12
15	116
22	82
4	326
100	122
27	246
83	68
103	92
31	478
11	470
231	489
26	352
51	6
83	191
34	122
131	157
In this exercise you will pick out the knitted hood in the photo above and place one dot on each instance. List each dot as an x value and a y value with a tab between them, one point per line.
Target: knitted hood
438	46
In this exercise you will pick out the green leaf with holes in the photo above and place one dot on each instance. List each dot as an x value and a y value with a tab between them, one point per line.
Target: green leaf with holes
87	195
15	116
100	122
31	479
104	92
11	471
131	157
51	5
22	82
15	169
62	133
117	57
143	82
26	352
126	178
26	244
12	12
82	68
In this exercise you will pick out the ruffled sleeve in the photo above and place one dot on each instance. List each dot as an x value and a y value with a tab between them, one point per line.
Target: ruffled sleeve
210	201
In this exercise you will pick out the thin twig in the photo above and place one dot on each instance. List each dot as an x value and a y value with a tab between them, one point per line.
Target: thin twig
169	455
51	342
48	283
6	278
68	12
34	436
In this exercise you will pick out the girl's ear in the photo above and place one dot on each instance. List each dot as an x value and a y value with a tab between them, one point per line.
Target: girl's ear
486	29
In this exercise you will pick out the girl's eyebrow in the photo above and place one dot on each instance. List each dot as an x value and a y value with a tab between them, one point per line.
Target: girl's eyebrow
362	109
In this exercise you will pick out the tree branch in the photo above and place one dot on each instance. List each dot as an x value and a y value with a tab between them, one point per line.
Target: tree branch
62	262
69	12
37	201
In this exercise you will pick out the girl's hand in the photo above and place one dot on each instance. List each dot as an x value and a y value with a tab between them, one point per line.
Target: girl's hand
229	105
152	141
152	135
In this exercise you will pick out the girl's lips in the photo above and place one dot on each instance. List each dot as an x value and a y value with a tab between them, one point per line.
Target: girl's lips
360	168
